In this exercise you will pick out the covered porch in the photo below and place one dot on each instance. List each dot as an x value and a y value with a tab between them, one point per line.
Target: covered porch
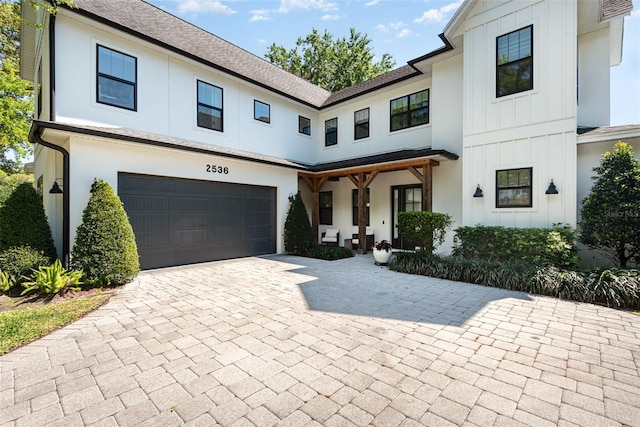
361	173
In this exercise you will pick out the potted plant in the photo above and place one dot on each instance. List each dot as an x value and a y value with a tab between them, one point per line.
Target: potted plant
382	252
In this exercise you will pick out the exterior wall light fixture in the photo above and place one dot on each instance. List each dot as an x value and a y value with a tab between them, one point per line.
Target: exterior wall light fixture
478	192
552	189
55	188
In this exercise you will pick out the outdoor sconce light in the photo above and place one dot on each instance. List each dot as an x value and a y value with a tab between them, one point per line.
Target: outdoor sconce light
55	188
291	197
552	189
478	192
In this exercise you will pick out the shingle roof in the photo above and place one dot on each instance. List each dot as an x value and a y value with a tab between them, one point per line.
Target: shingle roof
605	130
615	7
162	28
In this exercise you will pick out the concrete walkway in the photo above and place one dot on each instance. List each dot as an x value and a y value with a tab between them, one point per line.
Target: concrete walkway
295	342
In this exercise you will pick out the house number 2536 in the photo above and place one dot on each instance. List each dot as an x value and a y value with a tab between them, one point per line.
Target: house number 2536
217	169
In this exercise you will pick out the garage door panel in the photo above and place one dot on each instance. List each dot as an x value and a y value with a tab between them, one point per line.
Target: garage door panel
179	221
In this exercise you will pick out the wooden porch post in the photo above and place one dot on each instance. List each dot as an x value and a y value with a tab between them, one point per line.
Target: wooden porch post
427	187
315	183
362	184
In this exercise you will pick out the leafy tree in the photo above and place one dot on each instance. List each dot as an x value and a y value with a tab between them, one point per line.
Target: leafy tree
24	223
16	95
105	247
333	64
298	235
611	212
8	183
426	229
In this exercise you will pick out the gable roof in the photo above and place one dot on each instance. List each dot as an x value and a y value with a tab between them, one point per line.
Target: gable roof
611	8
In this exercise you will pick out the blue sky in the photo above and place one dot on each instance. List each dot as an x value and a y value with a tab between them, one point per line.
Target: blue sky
406	29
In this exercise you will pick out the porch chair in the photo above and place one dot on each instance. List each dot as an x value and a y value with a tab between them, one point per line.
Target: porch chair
331	237
370	235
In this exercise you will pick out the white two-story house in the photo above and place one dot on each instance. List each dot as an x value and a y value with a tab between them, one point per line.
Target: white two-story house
205	143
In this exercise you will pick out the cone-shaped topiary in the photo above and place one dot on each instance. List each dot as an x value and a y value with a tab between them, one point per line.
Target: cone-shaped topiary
24	223
298	235
105	247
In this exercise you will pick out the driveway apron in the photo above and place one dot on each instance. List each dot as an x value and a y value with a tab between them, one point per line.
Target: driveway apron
300	342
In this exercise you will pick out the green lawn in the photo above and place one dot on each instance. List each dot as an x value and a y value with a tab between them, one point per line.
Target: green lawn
20	327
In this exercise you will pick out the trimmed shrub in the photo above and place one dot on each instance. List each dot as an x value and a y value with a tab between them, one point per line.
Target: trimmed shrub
329	253
20	261
540	246
24	223
105	247
298	234
612	287
425	229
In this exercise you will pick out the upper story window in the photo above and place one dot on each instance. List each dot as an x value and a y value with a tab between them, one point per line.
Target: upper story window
514	62
513	188
331	132
361	124
209	106
411	110
117	79
261	111
304	125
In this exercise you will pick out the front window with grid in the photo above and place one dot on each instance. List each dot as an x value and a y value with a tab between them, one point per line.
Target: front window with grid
514	62
116	79
326	207
209	106
331	132
361	124
411	110
513	188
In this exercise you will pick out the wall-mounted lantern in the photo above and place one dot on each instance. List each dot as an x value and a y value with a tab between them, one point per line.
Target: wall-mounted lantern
478	192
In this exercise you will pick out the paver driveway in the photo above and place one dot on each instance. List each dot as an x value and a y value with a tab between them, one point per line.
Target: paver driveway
294	341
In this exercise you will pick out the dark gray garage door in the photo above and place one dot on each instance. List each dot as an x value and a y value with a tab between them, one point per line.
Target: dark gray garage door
180	221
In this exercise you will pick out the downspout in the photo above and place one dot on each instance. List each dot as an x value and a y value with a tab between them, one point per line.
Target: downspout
36	136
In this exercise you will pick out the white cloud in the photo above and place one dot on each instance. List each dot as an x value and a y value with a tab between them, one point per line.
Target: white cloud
404	33
262	42
635	13
214	7
260	15
437	15
382	28
397	25
287	6
372	3
330	17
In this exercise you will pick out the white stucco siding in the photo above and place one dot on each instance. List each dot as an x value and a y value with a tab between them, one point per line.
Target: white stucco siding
100	158
381	139
447	104
593	79
167	96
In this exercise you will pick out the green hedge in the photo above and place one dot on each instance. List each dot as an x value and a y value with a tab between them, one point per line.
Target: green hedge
329	253
540	246
612	287
20	261
424	228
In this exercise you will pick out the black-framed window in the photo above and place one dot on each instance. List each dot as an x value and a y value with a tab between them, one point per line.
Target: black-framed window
304	125
354	198
514	62
361	124
210	106
331	132
514	188
117	79
261	111
410	110
326	207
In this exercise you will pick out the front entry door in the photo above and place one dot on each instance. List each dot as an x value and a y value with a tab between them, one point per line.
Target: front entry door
405	198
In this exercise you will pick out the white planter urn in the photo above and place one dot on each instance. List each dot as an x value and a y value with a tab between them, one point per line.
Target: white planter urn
381	256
